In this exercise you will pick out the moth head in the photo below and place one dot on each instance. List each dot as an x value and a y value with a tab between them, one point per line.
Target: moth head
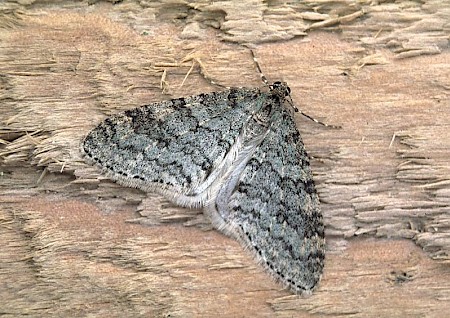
280	88
283	92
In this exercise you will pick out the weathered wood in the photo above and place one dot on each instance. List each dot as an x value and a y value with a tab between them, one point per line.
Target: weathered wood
75	243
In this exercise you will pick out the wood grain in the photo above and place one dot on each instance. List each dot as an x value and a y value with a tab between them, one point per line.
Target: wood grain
76	244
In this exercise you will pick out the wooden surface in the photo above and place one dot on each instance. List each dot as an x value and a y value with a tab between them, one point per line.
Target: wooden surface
76	244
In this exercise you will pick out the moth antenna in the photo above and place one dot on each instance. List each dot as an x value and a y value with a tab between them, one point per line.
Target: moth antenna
263	77
290	101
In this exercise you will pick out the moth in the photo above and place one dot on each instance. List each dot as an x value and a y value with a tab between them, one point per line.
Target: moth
239	156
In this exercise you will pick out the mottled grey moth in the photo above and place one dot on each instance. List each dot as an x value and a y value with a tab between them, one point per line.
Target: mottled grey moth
237	154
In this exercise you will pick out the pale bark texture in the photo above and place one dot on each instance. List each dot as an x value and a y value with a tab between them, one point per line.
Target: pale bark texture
74	243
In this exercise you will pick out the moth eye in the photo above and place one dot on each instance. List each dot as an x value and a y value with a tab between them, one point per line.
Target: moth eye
288	91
